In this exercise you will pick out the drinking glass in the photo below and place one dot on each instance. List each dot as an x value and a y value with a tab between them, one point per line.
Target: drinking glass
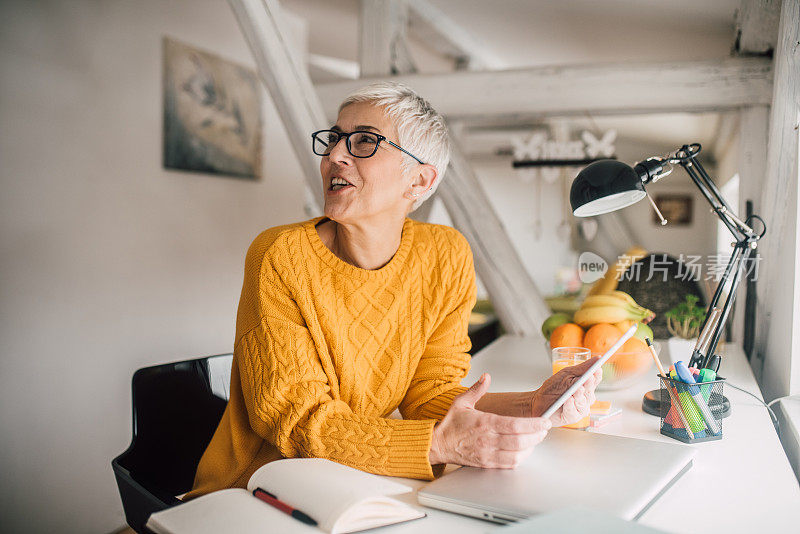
562	357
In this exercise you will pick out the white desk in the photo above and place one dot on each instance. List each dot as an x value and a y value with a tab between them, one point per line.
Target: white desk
744	480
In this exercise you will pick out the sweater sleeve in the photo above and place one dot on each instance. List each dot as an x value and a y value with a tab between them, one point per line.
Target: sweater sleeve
445	360
289	400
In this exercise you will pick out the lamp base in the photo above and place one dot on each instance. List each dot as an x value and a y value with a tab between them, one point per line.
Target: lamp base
651	403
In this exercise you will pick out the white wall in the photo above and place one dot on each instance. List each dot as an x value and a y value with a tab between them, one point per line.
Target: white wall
516	204
109	262
695	239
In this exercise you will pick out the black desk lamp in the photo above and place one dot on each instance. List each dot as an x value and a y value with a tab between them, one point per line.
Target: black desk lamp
609	185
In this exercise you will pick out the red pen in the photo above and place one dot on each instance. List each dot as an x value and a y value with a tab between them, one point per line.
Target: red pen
269	498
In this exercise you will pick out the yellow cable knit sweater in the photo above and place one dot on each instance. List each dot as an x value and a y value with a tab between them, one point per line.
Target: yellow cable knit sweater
326	351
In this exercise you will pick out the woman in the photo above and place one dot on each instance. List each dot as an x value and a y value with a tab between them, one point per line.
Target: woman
348	316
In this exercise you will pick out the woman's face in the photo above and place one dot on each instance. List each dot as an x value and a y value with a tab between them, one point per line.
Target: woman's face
378	184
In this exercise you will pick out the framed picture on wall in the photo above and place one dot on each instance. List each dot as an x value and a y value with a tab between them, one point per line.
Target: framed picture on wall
676	209
212	113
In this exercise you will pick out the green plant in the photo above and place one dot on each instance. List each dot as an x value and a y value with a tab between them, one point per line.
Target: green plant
685	319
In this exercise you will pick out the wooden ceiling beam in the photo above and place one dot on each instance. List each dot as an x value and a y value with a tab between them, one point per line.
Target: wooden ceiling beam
436	30
287	80
382	49
756	27
708	85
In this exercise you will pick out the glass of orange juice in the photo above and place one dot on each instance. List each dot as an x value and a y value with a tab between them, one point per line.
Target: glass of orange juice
565	357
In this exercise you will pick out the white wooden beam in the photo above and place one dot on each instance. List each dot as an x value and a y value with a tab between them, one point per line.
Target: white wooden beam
707	85
778	315
756	27
436	30
286	80
382	30
341	68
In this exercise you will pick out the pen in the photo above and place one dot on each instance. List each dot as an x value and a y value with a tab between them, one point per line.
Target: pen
670	390
655	356
686	376
706	375
269	498
688	405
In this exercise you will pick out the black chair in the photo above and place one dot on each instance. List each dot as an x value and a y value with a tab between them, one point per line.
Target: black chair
175	415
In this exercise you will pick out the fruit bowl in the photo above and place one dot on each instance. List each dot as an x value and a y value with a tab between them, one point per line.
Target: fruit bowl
624	368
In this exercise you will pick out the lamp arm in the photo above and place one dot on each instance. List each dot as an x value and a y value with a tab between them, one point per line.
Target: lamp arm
738	260
718	204
652	169
745	244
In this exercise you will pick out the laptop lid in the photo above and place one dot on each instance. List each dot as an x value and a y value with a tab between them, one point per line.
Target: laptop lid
576	519
621	476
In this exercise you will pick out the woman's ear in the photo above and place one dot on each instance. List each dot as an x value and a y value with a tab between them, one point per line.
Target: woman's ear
424	177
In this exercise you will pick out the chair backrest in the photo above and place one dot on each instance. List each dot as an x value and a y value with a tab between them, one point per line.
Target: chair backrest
175	414
659	282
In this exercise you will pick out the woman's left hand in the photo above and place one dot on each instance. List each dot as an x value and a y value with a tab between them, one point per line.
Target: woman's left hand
577	406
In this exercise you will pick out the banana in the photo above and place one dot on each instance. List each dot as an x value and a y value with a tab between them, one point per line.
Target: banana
626	313
604	285
593	301
614	273
647	314
602	314
624	296
605	300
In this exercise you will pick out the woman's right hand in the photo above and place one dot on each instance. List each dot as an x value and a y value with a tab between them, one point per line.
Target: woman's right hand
467	436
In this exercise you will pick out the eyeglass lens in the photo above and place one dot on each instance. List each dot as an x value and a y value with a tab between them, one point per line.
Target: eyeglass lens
359	144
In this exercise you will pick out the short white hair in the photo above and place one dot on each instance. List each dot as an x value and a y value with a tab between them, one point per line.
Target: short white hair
420	128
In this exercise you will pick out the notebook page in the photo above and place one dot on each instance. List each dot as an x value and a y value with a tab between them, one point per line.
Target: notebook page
321	488
376	512
231	510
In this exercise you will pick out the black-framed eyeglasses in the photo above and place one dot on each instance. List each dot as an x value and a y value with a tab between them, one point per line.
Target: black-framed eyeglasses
364	146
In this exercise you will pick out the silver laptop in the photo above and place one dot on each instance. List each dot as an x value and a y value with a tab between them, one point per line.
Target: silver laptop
621	476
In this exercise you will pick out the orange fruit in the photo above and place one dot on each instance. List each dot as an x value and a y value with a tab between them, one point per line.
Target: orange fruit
632	356
567	335
634	344
600	337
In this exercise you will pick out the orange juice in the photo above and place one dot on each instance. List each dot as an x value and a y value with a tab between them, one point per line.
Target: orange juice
558	365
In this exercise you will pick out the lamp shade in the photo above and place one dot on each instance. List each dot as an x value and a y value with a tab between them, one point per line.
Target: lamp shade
603	186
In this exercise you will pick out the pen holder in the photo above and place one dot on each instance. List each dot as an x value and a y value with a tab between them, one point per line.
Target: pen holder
696	406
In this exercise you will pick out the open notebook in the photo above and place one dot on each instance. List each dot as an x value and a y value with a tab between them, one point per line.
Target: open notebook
341	499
